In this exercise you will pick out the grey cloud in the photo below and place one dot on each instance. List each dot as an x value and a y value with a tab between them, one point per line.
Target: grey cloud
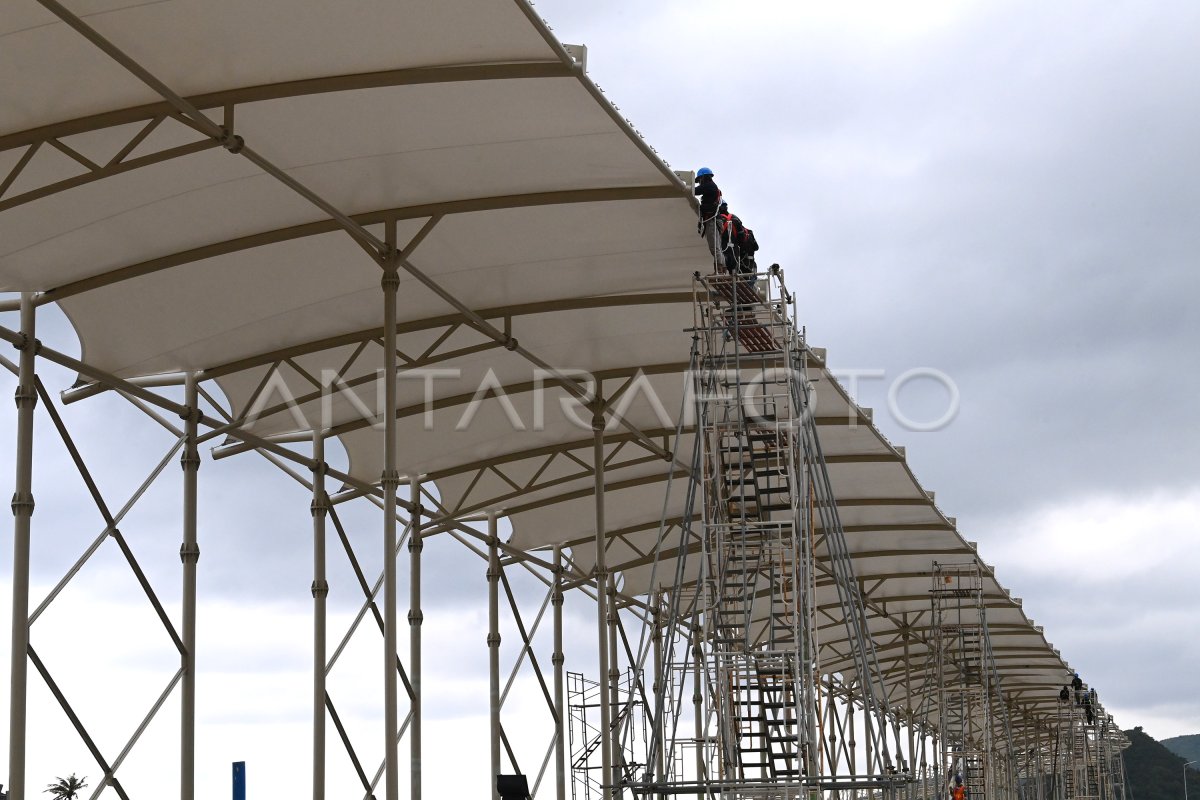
1011	199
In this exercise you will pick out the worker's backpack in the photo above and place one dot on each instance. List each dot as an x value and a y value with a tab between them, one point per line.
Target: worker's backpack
748	243
743	237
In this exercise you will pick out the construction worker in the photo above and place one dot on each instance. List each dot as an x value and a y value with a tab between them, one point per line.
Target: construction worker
729	249
1077	685
960	791
710	200
746	245
1065	694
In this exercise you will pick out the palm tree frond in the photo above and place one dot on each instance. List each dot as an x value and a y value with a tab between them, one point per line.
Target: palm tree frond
66	788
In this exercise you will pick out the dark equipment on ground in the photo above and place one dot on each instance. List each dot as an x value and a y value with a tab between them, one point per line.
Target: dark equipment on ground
512	787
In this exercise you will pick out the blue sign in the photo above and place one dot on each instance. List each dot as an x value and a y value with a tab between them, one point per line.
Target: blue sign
239	780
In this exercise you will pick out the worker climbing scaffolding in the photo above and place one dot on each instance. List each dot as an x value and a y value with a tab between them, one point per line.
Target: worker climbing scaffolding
729	258
745	245
730	242
1087	756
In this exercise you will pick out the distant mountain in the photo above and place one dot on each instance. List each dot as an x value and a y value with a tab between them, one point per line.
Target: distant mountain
1154	772
1186	747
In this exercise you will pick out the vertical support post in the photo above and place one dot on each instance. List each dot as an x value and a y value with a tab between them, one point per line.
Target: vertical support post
614	679
817	763
909	710
833	722
1042	749
1033	763
320	591
660	750
938	777
189	554
22	509
697	705
415	618
557	659
852	753
493	643
606	732
925	765
389	481
1021	758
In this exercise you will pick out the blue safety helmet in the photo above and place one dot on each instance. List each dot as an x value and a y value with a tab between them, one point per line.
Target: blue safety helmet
700	173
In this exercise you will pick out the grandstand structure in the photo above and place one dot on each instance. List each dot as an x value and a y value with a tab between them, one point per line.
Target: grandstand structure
388	229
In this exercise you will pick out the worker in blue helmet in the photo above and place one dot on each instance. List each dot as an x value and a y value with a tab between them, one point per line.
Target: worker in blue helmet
710	200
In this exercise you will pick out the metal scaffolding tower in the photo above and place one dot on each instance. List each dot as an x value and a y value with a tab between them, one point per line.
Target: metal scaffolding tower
758	564
744	634
976	742
586	735
1088	763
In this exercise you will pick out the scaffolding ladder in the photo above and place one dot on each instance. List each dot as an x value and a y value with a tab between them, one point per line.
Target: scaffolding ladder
1090	749
585	736
767	503
972	721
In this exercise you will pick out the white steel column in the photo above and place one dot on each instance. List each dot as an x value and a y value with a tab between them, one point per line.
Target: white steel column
909	711
602	606
614	677
189	554
697	705
415	618
493	643
1041	765
389	481
557	659
22	508
658	687
320	591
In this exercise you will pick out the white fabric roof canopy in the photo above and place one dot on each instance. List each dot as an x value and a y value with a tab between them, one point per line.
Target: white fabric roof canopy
540	209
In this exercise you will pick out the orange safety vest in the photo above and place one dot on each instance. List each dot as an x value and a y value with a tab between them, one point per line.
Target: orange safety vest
960	792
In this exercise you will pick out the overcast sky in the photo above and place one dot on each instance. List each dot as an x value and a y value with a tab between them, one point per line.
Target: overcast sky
1005	192
1008	193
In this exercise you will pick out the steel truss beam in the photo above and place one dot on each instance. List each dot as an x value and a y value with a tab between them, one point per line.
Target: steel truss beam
140	393
524	387
450	322
117	165
228	98
383	251
384	216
